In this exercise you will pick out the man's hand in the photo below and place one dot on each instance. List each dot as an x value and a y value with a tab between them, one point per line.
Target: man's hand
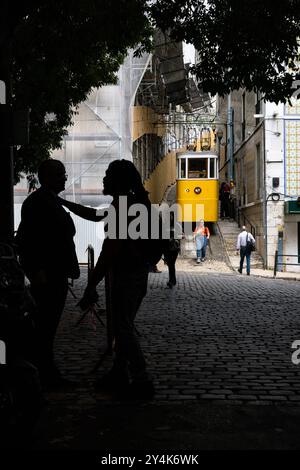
237	252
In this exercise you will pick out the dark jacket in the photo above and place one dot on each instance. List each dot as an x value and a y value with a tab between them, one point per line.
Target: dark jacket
45	236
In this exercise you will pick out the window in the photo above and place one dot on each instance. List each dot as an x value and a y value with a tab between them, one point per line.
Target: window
258	107
212	167
243	116
258	172
197	167
182	162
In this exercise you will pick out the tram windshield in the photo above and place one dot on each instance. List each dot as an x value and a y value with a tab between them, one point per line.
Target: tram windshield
190	168
182	167
197	167
212	167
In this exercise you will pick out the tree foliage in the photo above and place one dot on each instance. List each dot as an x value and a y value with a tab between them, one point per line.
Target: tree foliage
58	50
252	44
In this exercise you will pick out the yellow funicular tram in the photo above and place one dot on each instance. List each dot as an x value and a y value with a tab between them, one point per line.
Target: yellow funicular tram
197	187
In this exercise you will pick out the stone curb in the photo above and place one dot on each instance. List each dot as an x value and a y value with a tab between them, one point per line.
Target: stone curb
229	264
274	278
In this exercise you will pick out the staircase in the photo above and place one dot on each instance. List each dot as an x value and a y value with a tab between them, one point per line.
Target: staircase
170	195
229	231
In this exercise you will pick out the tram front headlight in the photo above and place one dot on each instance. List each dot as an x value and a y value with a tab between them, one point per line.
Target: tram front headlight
197	190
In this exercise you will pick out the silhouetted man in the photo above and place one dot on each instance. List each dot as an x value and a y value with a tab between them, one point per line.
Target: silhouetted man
47	254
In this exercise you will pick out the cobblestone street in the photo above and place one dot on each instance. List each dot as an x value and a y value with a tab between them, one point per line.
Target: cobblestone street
218	338
215	336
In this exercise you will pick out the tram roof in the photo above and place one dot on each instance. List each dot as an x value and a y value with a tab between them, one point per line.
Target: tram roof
192	154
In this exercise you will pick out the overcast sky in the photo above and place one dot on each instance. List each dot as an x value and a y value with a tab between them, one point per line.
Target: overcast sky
188	53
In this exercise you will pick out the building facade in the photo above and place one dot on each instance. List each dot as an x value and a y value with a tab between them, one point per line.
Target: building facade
266	172
141	118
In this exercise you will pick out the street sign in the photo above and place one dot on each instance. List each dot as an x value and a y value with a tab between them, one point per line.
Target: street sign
292	207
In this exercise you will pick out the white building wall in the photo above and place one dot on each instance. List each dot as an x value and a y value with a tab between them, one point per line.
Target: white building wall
292	178
291	241
283	161
87	233
275	220
274	167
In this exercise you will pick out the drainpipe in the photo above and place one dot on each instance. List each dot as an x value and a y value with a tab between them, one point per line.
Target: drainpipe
230	144
230	136
265	213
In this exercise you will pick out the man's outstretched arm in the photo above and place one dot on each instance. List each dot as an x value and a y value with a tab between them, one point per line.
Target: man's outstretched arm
87	213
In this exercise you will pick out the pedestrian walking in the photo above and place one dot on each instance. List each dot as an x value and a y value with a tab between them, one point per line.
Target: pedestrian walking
224	196
171	251
201	236
245	245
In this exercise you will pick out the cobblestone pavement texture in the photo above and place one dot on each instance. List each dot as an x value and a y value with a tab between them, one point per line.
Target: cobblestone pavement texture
218	346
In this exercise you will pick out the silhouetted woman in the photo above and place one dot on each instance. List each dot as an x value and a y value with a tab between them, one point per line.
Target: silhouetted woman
127	263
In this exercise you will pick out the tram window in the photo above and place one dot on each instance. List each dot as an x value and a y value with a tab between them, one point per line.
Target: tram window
182	168
212	167
197	167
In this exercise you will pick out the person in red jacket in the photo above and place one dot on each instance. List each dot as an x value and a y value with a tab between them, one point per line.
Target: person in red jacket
201	236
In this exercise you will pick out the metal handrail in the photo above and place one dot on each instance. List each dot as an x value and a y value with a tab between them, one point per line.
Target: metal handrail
91	260
276	262
90	265
108	308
